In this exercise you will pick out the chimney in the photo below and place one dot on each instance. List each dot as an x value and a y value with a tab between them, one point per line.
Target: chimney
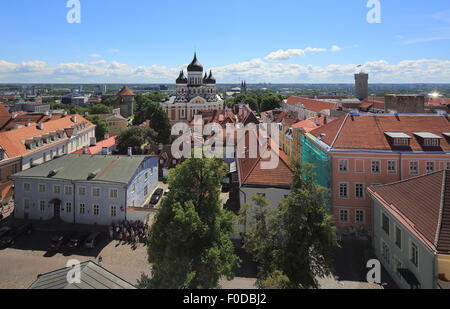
325	120
106	136
46	113
130	151
50	115
86	114
65	114
74	118
93	141
14	115
85	150
104	151
40	126
17	126
28	123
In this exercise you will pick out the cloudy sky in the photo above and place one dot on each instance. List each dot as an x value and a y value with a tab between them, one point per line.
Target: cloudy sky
291	41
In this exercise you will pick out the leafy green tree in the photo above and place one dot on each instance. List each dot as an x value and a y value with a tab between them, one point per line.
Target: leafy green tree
274	281
109	101
298	237
270	101
101	126
134	137
100	109
159	121
189	244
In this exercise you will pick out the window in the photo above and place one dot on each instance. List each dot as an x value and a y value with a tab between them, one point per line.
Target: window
68	190
398	237
42	206
96	192
385	252
385	223
413	167
376	167
360	216
26	187
82	191
343	190
359	190
397	265
433	142
430	166
145	190
41	188
343	165
56	189
14	168
448	165
343	215
82	209
401	141
414	254
392	167
69	207
26	204
146	175
113	193
96	210
113	211
133	188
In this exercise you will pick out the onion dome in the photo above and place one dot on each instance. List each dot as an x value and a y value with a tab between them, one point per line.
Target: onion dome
181	78
210	79
195	66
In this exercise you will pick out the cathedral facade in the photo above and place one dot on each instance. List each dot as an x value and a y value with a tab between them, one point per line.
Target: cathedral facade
194	93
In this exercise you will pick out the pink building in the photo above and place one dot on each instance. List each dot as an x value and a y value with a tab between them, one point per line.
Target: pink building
364	150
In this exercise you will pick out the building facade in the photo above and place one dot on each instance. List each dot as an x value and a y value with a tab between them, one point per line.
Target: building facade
99	191
194	93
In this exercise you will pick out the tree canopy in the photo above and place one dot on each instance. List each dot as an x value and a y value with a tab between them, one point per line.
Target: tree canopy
296	239
101	126
135	137
189	244
147	109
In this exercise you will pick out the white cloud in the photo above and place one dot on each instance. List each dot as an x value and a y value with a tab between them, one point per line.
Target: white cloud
95	56
115	50
289	53
425	40
254	71
335	48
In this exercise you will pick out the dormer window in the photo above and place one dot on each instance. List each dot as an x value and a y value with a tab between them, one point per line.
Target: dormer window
2	154
428	139
398	138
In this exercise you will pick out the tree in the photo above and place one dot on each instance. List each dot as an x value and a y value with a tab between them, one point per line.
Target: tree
159	121
134	137
189	244
296	238
101	126
109	101
270	101
100	109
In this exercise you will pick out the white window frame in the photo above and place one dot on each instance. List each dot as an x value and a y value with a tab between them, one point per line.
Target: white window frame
388	232
93	190
362	191
385	252
415	262
343	168
26	203
396	227
68	207
42	205
82	206
66	189
25	185
96	210
431	163
372	165
111	195
80	189
113	211
55	191
411	171
389	170
363	216
347	190
41	185
347	215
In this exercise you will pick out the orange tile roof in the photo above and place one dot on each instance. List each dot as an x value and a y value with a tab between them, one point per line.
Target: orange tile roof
367	131
99	146
310	124
13	141
125	91
422	204
251	171
313	105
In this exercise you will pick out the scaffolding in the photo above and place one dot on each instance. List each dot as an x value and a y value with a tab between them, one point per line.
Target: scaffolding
322	164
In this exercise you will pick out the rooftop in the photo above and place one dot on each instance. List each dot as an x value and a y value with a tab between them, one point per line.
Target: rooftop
110	142
422	204
92	277
92	168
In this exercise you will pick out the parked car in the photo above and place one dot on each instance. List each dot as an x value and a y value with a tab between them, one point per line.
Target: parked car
60	240
11	236
91	240
77	240
156	196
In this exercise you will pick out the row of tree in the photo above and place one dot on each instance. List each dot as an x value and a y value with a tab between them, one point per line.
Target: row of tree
190	246
259	103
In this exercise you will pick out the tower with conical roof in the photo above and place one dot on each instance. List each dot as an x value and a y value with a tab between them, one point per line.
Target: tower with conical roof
124	101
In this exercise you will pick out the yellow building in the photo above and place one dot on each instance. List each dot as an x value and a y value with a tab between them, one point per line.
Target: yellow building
116	123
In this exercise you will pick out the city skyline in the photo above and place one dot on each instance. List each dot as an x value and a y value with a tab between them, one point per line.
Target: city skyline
294	42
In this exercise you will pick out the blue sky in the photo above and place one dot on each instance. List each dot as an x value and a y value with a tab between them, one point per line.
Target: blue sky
261	41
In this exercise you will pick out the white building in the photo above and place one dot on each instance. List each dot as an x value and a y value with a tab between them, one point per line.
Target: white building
194	93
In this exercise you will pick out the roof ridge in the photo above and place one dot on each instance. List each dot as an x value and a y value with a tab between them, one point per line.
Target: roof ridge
439	224
407	180
339	131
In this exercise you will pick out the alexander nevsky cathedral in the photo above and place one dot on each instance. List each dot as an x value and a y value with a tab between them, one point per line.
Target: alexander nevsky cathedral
194	93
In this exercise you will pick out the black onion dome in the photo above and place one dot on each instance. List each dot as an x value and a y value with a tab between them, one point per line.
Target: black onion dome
182	79
195	66
210	79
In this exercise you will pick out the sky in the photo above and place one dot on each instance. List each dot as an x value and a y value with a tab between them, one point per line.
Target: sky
283	41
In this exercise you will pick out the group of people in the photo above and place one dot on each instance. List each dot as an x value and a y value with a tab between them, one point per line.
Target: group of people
132	232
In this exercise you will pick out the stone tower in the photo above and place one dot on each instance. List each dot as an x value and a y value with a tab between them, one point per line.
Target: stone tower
124	101
362	86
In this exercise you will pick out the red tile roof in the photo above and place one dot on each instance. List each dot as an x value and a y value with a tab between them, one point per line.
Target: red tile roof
366	131
5	116
13	142
125	91
110	142
310	124
313	105
252	173
375	102
422	204
24	118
